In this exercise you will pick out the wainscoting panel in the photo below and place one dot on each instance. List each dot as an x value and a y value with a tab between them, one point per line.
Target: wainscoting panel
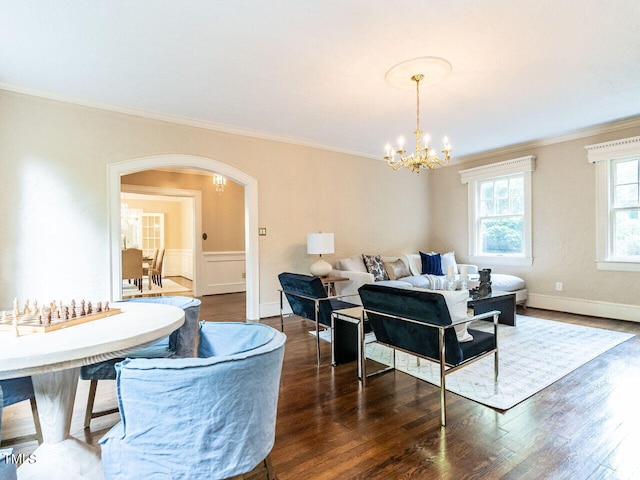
178	263
224	272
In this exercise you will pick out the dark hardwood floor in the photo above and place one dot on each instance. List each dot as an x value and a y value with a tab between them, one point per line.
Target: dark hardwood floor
584	426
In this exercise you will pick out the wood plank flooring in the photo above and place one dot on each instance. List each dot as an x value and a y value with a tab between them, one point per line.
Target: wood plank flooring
584	426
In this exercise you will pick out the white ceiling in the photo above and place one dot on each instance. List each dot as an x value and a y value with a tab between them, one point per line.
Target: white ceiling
313	71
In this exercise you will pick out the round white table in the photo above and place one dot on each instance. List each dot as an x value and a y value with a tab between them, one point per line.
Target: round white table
54	359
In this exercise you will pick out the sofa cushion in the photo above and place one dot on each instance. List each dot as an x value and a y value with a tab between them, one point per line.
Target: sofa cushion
506	283
433	282
414	262
352	264
457	304
395	283
375	267
396	269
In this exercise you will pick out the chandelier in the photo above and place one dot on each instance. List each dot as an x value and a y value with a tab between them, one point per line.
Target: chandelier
219	181
424	156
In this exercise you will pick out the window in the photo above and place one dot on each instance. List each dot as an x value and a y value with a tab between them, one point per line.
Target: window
625	205
501	216
617	203
500	212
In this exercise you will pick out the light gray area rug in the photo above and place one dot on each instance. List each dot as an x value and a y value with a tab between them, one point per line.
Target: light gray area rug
168	286
533	355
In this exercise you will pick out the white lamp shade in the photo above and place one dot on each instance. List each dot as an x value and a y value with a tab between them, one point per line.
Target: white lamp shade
319	243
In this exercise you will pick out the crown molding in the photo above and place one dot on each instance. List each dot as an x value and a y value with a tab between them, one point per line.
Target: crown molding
217	127
630	122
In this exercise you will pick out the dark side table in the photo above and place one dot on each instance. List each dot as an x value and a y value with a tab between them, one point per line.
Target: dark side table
496	300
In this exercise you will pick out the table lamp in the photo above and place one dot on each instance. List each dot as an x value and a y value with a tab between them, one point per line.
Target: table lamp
317	244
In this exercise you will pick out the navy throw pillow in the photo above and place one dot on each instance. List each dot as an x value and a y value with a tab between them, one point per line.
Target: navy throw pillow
431	264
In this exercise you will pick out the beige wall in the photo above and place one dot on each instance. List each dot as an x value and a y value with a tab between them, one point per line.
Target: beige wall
54	235
222	214
53	162
564	236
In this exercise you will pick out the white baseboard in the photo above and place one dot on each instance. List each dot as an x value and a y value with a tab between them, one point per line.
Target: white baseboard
582	306
226	288
273	309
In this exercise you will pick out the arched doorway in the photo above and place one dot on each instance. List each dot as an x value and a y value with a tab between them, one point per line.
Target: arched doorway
116	170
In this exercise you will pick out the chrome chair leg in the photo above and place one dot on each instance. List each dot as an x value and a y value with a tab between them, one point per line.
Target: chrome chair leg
443	399
281	311
317	331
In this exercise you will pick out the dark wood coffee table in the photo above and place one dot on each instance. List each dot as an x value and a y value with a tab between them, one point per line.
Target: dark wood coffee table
496	300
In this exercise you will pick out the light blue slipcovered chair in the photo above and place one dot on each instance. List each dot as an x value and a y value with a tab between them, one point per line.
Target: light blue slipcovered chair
8	468
210	417
180	344
15	390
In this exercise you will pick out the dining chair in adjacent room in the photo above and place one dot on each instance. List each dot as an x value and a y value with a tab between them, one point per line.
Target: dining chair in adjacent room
151	265
210	417
15	390
156	272
180	344
132	266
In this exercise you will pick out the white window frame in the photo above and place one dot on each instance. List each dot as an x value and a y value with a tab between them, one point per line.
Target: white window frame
603	155
472	177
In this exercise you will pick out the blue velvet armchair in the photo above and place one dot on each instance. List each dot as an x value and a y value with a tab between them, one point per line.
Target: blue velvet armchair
308	299
418	322
179	344
209	417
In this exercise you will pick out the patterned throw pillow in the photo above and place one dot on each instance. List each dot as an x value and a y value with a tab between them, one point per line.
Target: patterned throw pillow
375	267
431	264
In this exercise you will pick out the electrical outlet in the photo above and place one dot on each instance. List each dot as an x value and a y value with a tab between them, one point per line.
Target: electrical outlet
244	275
559	286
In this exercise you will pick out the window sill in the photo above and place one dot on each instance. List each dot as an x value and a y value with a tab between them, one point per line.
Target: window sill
618	266
501	260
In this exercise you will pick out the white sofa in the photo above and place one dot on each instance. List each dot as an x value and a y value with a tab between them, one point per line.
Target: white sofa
353	268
